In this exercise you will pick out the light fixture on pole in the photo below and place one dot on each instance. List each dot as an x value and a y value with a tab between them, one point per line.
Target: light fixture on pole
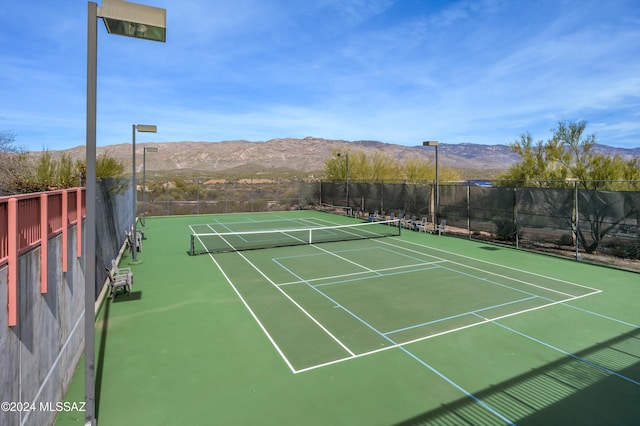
133	20
437	200
346	155
144	128
144	178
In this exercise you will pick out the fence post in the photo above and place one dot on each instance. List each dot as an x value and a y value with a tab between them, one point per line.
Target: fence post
197	195
575	194
515	214
432	207
65	230
468	210
79	222
44	241
251	193
12	294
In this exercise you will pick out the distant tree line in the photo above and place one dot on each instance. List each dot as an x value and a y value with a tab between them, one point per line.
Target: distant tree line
383	167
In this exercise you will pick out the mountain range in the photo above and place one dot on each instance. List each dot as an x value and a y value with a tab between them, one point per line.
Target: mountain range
307	156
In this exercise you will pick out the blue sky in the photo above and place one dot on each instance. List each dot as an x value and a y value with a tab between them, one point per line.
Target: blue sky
396	71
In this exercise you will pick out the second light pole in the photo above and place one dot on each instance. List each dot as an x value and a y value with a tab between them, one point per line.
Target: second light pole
144	128
346	155
144	179
437	200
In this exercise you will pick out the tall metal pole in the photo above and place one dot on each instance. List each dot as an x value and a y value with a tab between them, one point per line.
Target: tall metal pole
575	190
347	178
90	223
144	182
437	188
346	155
437	197
134	196
157	18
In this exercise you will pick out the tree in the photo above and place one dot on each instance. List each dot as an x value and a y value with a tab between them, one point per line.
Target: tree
377	168
19	174
421	171
382	167
15	171
569	156
46	169
541	164
106	167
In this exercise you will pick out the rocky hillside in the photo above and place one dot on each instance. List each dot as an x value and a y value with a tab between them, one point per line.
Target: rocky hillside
301	156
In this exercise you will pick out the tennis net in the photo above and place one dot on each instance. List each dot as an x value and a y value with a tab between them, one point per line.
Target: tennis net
221	242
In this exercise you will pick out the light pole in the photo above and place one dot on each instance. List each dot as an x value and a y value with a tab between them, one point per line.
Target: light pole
346	155
144	128
437	201
144	177
133	20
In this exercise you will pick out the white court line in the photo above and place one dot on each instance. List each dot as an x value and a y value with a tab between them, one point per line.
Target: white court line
485	271
345	259
368	270
442	333
296	304
460	315
497	265
381	241
401	345
594	291
253	314
352	274
244	222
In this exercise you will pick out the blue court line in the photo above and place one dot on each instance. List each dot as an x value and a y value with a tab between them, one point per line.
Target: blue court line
487	280
332	300
457	386
322	254
348	261
460	315
224	225
419	259
602	316
379	274
415	357
569	354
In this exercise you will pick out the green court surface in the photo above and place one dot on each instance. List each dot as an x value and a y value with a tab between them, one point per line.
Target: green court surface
410	329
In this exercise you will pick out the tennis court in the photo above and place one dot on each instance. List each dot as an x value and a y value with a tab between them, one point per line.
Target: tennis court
381	327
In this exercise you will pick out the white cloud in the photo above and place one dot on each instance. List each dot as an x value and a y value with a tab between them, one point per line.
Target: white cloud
396	71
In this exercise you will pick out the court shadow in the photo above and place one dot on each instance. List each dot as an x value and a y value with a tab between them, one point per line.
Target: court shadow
572	390
135	295
490	248
100	357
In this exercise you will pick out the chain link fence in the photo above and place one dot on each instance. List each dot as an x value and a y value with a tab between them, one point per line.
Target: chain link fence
602	226
206	196
563	218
